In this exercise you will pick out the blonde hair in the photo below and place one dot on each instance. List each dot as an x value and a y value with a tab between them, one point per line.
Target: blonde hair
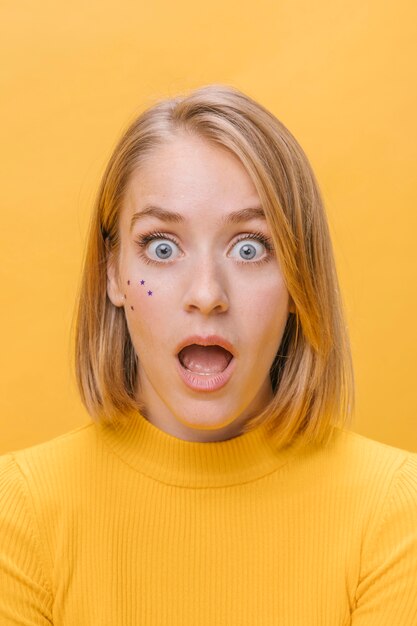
312	374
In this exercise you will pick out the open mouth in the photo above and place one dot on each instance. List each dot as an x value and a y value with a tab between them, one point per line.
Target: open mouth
206	360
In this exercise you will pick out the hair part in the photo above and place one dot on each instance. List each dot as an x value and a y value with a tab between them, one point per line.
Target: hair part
312	374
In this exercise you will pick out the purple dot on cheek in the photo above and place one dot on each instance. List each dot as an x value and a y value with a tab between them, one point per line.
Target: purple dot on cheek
128	282
132	308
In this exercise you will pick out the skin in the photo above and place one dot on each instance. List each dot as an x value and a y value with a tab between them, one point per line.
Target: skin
200	289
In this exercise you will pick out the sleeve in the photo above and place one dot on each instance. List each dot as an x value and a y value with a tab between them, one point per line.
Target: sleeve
387	589
25	594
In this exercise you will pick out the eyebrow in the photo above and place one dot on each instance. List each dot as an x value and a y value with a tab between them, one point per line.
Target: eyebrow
243	215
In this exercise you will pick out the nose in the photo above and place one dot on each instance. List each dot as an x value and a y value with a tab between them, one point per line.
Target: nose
206	288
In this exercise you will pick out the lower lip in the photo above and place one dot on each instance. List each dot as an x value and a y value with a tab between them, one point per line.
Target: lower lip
206	382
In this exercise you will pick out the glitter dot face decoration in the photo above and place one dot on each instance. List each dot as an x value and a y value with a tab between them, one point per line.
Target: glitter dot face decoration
142	282
198	274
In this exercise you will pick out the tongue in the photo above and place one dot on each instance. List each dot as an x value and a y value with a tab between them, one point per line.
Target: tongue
205	359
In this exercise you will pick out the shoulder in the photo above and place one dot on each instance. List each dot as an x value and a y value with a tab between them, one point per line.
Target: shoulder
363	473
39	499
381	478
66	440
366	457
48	465
69	441
388	571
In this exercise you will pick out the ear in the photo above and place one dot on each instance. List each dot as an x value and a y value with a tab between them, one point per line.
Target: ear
113	288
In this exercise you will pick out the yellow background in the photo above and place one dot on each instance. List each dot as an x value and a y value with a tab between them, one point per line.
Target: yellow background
340	75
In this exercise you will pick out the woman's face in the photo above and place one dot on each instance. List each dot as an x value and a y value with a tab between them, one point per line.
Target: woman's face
196	278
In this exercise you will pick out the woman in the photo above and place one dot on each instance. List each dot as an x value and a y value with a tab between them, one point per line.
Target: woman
217	482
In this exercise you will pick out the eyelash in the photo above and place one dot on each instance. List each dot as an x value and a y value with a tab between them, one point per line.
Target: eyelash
144	239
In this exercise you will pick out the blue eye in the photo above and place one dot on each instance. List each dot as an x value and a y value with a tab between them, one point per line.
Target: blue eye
164	250
248	251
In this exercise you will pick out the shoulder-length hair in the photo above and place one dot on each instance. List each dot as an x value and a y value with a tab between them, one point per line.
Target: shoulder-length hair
312	375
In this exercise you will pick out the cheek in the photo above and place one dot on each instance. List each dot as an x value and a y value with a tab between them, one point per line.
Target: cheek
264	312
277	307
147	316
135	291
263	299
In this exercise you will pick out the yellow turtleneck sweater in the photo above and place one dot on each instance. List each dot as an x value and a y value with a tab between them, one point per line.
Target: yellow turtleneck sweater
138	528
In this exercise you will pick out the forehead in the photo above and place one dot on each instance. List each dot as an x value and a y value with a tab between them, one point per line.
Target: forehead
190	176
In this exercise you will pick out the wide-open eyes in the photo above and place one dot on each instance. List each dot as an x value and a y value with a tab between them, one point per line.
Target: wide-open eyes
249	250
160	251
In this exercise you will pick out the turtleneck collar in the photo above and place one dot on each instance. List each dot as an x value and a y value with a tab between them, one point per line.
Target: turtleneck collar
174	461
